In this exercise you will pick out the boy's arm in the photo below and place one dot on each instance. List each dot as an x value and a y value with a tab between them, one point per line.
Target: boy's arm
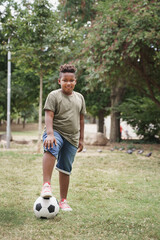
49	115
81	138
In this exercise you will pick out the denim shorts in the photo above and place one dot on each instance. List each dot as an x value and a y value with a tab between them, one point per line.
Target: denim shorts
64	152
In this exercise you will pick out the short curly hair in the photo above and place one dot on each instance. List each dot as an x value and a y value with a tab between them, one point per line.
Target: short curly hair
67	68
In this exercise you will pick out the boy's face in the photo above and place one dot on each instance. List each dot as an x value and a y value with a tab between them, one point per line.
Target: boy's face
67	82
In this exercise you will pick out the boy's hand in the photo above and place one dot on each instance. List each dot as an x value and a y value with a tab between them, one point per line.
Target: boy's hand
49	141
80	146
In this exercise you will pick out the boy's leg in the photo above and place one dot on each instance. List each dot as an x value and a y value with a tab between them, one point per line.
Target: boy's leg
49	157
64	165
64	184
48	165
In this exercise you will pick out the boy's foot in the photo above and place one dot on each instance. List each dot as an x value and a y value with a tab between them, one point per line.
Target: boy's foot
46	190
64	205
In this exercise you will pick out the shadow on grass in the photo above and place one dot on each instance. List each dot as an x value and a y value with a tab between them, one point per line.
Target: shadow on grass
11	217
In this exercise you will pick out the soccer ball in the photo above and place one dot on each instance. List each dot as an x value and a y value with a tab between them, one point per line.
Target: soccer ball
46	207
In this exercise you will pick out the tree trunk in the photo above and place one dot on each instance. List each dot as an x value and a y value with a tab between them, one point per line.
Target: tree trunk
101	121
94	120
116	97
40	113
24	122
115	127
18	121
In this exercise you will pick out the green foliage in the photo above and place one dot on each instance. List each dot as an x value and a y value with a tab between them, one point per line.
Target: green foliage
39	44
24	92
97	97
34	25
42	37
143	115
78	12
122	45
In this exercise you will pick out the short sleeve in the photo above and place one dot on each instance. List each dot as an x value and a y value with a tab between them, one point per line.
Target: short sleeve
50	103
83	109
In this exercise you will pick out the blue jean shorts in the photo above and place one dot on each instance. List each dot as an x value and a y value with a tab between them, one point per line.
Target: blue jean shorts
64	152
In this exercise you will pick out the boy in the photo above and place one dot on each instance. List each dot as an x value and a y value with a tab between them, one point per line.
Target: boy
64	132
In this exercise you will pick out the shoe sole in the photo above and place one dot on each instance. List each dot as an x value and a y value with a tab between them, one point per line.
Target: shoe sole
46	195
66	209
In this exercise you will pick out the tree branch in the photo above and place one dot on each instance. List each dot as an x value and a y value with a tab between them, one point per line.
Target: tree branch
147	80
140	89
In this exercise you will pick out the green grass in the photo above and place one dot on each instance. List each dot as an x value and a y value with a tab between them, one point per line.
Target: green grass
114	196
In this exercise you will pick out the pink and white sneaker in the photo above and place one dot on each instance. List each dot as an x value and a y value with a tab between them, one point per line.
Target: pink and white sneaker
46	190
64	205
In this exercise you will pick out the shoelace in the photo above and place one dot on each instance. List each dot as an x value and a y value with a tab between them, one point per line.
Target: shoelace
65	203
47	187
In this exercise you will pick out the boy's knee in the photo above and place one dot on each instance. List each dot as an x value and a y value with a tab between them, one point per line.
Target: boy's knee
49	155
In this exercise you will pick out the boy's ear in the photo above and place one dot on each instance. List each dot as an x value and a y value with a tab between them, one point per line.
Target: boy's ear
59	81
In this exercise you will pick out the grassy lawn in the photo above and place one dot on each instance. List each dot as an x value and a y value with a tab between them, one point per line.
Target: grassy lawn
114	196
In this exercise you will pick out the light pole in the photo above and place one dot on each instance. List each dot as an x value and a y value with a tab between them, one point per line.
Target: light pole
8	137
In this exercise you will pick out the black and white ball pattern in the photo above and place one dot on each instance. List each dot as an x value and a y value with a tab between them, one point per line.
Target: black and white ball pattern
46	208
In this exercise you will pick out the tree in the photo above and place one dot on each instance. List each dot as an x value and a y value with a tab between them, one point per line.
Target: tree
122	48
97	98
144	118
77	12
20	91
25	89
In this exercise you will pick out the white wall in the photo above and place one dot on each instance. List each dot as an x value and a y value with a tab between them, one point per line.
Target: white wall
92	128
126	128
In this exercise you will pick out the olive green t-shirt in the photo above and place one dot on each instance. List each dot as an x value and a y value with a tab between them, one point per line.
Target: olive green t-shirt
67	110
